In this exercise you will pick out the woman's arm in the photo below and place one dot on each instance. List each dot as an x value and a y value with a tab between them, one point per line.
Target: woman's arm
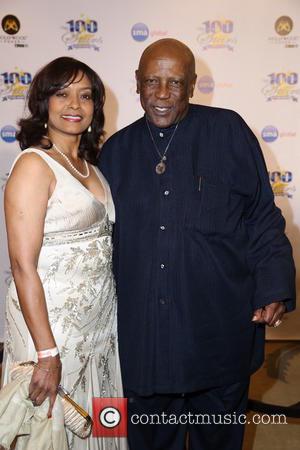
26	196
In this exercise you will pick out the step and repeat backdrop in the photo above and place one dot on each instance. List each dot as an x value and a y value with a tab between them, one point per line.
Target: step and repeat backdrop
247	55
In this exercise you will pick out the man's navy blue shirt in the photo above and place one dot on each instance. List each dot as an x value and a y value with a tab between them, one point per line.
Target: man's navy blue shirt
196	251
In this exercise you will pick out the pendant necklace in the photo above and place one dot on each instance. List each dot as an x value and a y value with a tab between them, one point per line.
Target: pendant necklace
82	175
160	168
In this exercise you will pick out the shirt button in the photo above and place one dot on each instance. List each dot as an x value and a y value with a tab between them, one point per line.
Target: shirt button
161	134
162	227
166	192
162	266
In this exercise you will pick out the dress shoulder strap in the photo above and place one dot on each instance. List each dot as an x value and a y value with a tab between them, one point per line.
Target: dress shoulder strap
50	161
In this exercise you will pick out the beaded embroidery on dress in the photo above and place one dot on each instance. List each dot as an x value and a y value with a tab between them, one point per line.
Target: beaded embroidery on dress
75	267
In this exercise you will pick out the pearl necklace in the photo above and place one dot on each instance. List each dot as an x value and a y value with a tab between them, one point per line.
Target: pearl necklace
71	165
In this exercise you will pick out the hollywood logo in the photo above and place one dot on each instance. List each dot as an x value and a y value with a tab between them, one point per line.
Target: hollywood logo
10	24
11	27
283	25
217	34
284	36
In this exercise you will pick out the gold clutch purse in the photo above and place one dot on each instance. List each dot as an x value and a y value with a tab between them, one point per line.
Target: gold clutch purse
76	418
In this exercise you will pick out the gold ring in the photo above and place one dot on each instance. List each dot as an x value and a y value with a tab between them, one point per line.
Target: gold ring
277	323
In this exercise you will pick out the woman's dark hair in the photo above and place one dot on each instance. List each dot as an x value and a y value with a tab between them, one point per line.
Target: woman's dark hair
56	75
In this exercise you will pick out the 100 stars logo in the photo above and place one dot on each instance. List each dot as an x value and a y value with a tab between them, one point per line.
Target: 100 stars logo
82	34
217	34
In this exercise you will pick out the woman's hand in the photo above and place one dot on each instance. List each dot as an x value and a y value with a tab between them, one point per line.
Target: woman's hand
45	380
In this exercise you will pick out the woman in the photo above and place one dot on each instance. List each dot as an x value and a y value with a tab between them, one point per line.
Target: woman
61	305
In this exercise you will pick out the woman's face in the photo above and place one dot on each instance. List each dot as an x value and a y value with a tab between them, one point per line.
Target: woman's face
71	108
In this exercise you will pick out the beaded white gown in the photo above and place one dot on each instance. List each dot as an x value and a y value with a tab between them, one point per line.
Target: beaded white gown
75	267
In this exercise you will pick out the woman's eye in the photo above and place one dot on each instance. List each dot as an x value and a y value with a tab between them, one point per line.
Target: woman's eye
61	94
87	96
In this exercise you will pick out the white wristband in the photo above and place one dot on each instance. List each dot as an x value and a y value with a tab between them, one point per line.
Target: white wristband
46	353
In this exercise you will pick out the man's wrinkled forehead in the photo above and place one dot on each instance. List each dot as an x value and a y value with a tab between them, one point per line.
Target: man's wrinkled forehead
168	49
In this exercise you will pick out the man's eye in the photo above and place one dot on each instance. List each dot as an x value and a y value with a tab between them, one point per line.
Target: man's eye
175	83
151	81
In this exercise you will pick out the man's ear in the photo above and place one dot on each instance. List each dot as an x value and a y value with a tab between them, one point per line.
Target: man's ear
137	82
192	86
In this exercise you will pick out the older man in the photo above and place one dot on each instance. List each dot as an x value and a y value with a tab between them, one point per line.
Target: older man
201	260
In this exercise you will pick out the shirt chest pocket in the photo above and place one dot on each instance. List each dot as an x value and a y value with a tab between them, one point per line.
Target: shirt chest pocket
207	206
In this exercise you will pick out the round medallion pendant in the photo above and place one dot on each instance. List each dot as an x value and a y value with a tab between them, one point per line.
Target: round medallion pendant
160	168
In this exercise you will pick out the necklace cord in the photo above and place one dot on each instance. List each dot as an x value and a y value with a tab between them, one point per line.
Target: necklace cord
162	156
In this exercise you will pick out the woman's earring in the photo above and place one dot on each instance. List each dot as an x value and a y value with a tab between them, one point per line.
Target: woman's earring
89	129
45	125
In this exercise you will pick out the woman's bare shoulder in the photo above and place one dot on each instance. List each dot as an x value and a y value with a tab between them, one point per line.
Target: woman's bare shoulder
31	163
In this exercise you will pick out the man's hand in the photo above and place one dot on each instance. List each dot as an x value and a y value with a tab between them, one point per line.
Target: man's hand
269	314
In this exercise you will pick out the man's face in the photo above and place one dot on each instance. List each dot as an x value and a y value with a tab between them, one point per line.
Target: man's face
165	84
